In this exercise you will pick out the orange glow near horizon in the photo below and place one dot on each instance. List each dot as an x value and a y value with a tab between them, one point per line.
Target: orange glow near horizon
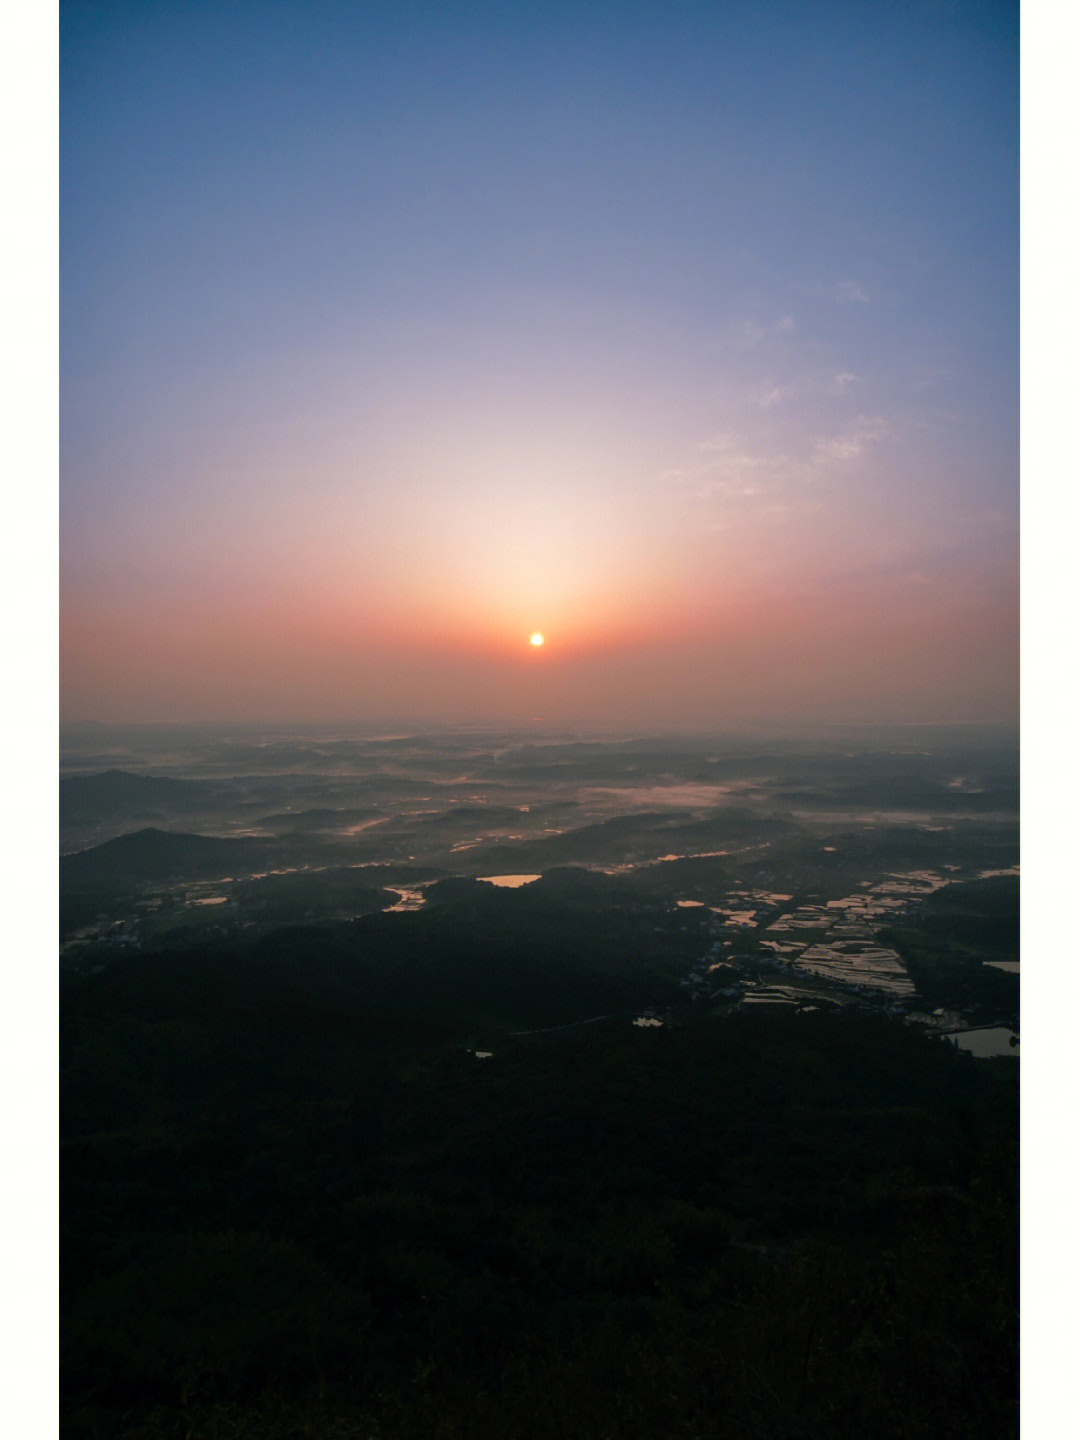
776	652
466	364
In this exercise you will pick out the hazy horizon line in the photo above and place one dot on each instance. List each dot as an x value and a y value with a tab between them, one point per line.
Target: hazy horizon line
418	727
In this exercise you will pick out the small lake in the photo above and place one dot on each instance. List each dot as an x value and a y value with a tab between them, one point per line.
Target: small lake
407	899
509	882
995	1040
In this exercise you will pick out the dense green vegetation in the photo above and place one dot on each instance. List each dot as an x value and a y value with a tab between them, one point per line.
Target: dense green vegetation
296	1203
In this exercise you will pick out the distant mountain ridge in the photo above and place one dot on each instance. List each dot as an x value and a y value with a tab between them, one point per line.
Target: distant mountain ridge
153	854
120	793
302	821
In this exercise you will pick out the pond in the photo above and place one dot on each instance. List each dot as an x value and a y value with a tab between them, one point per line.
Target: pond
994	1040
407	899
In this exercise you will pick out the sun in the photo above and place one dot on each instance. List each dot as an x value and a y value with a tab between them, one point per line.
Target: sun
536	639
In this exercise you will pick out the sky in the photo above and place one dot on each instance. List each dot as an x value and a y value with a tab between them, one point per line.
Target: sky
685	335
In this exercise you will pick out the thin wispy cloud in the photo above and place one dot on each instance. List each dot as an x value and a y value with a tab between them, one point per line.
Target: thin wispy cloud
774	478
754	331
718	444
850	444
562	377
848	292
766	395
931	378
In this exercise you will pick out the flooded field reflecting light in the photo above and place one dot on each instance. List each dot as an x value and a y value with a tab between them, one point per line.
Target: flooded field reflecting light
987	1044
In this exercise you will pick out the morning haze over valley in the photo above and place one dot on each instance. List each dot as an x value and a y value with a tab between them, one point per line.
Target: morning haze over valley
539	779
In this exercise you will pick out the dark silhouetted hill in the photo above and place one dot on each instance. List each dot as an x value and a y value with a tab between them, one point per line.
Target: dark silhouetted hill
482	817
319	821
153	854
117	794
